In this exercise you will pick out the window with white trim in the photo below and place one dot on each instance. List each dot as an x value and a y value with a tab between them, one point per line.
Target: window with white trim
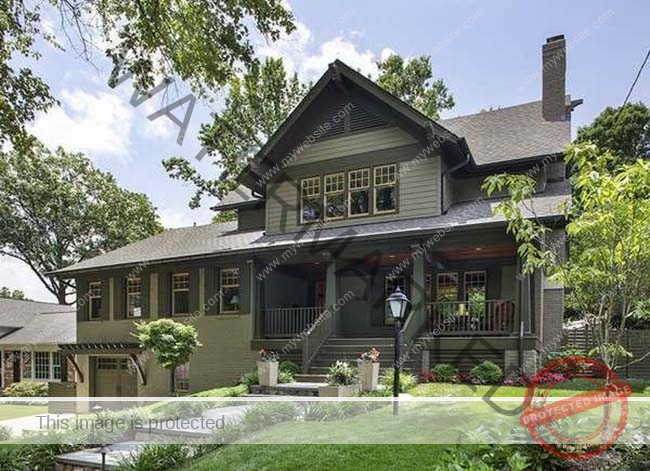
385	189
182	378
180	294
335	196
475	286
359	192
447	287
134	297
95	300
230	292
310	200
41	365
57	370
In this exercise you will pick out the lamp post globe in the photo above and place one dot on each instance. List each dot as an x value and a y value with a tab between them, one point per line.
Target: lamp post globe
397	303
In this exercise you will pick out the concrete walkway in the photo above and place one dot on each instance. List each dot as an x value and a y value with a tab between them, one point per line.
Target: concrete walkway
30	423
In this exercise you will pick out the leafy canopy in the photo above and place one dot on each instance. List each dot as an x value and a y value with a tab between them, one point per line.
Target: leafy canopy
56	209
171	342
6	293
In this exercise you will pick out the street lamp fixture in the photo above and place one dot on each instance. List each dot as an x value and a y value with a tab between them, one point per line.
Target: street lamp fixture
397	303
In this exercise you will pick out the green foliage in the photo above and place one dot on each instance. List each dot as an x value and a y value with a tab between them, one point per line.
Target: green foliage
224	216
412	81
5	433
26	389
226	391
487	372
625	132
327	411
250	378
156	458
34	457
6	293
445	373
285	376
56	209
407	380
289	366
265	414
341	373
171	342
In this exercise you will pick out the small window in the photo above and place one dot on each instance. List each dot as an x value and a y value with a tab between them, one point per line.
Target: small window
41	365
390	285
181	294
57	372
27	365
182	379
134	297
230	296
104	363
447	287
359	192
335	196
385	189
95	300
310	201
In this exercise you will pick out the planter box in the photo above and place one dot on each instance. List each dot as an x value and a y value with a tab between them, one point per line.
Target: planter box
267	373
369	375
350	390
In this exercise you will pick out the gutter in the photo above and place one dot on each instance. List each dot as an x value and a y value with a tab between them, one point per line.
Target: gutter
462	143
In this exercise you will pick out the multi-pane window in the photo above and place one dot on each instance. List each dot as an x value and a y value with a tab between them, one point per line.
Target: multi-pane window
230	295
310	199
335	196
95	300
104	363
182	378
447	287
134	297
181	293
41	365
57	372
475	286
27	365
385	189
359	192
390	285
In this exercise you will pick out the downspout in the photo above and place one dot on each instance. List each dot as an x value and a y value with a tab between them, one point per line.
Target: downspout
468	155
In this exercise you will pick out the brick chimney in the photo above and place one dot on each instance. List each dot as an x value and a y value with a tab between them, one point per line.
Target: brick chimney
554	79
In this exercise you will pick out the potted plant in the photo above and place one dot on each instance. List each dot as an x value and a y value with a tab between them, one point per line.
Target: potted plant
341	381
368	366
267	368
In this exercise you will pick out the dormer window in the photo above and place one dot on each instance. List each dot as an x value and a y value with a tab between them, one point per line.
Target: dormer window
310	201
335	196
359	192
385	189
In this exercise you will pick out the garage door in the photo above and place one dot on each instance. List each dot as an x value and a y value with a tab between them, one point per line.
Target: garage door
114	379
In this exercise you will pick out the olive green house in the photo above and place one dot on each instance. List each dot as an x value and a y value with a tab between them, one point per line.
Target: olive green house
355	195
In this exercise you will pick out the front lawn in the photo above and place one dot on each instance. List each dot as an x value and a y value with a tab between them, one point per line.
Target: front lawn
13	411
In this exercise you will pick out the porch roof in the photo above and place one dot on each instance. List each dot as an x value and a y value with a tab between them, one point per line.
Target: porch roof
224	238
99	348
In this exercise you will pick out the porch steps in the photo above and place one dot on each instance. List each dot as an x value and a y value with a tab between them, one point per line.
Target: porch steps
310	378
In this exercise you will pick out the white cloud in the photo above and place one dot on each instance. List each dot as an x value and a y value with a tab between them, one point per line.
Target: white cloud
339	48
15	274
98	124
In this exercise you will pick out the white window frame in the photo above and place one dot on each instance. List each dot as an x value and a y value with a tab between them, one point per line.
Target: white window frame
129	295
180	290
94	294
352	188
310	189
336	180
378	172
224	285
438	276
32	369
465	283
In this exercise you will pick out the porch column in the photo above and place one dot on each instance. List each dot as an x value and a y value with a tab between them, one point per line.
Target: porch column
418	283
257	301
331	290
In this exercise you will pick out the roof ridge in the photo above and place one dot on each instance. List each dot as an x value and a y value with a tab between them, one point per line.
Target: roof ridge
528	103
31	301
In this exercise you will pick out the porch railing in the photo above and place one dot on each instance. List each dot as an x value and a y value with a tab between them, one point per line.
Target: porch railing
315	337
489	317
290	321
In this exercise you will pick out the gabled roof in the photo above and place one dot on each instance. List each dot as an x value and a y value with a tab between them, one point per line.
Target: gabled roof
46	328
240	197
16	313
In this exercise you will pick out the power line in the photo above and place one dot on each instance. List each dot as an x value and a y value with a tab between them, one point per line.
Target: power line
636	78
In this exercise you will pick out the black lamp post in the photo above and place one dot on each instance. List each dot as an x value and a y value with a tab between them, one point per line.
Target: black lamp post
397	302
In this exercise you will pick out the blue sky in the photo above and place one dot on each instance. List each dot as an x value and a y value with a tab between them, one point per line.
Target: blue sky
483	50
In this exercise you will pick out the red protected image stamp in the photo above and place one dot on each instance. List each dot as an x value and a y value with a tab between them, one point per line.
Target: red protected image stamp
544	419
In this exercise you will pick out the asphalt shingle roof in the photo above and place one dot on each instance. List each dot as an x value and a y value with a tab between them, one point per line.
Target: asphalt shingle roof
241	195
46	328
508	134
16	313
224	239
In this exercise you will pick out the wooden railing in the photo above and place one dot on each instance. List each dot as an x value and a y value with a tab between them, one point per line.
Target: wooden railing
290	321
490	317
315	337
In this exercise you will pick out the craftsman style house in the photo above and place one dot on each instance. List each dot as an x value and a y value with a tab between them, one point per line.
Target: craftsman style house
356	194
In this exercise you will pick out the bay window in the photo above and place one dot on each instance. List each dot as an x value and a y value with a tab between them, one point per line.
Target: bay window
180	294
385	189
310	200
230	295
334	196
359	192
134	297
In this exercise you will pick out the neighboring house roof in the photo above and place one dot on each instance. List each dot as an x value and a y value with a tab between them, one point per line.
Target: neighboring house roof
46	328
224	239
508	134
18	313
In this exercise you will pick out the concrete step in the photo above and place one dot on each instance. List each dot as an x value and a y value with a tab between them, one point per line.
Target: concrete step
309	378
288	389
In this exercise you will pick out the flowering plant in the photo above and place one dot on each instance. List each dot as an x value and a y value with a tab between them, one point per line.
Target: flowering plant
425	376
371	355
268	355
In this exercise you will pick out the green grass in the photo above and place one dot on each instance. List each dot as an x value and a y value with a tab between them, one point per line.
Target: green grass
13	411
224	391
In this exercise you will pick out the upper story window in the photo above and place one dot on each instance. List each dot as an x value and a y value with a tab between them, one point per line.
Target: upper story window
447	287
335	196
310	200
385	189
95	300
230	293
359	192
180	293
475	286
134	297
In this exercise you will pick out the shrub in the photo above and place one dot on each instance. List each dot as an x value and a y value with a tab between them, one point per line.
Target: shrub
445	373
487	373
250	378
289	366
425	376
466	378
523	379
26	389
285	376
268	413
341	373
406	380
156	457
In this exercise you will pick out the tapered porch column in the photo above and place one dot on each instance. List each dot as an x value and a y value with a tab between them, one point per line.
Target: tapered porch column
332	290
417	294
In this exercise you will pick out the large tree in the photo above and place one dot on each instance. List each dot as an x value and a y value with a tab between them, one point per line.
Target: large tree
201	42
56	209
259	102
623	131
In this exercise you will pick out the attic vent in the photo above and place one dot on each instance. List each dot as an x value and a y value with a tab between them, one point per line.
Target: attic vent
361	118
335	118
